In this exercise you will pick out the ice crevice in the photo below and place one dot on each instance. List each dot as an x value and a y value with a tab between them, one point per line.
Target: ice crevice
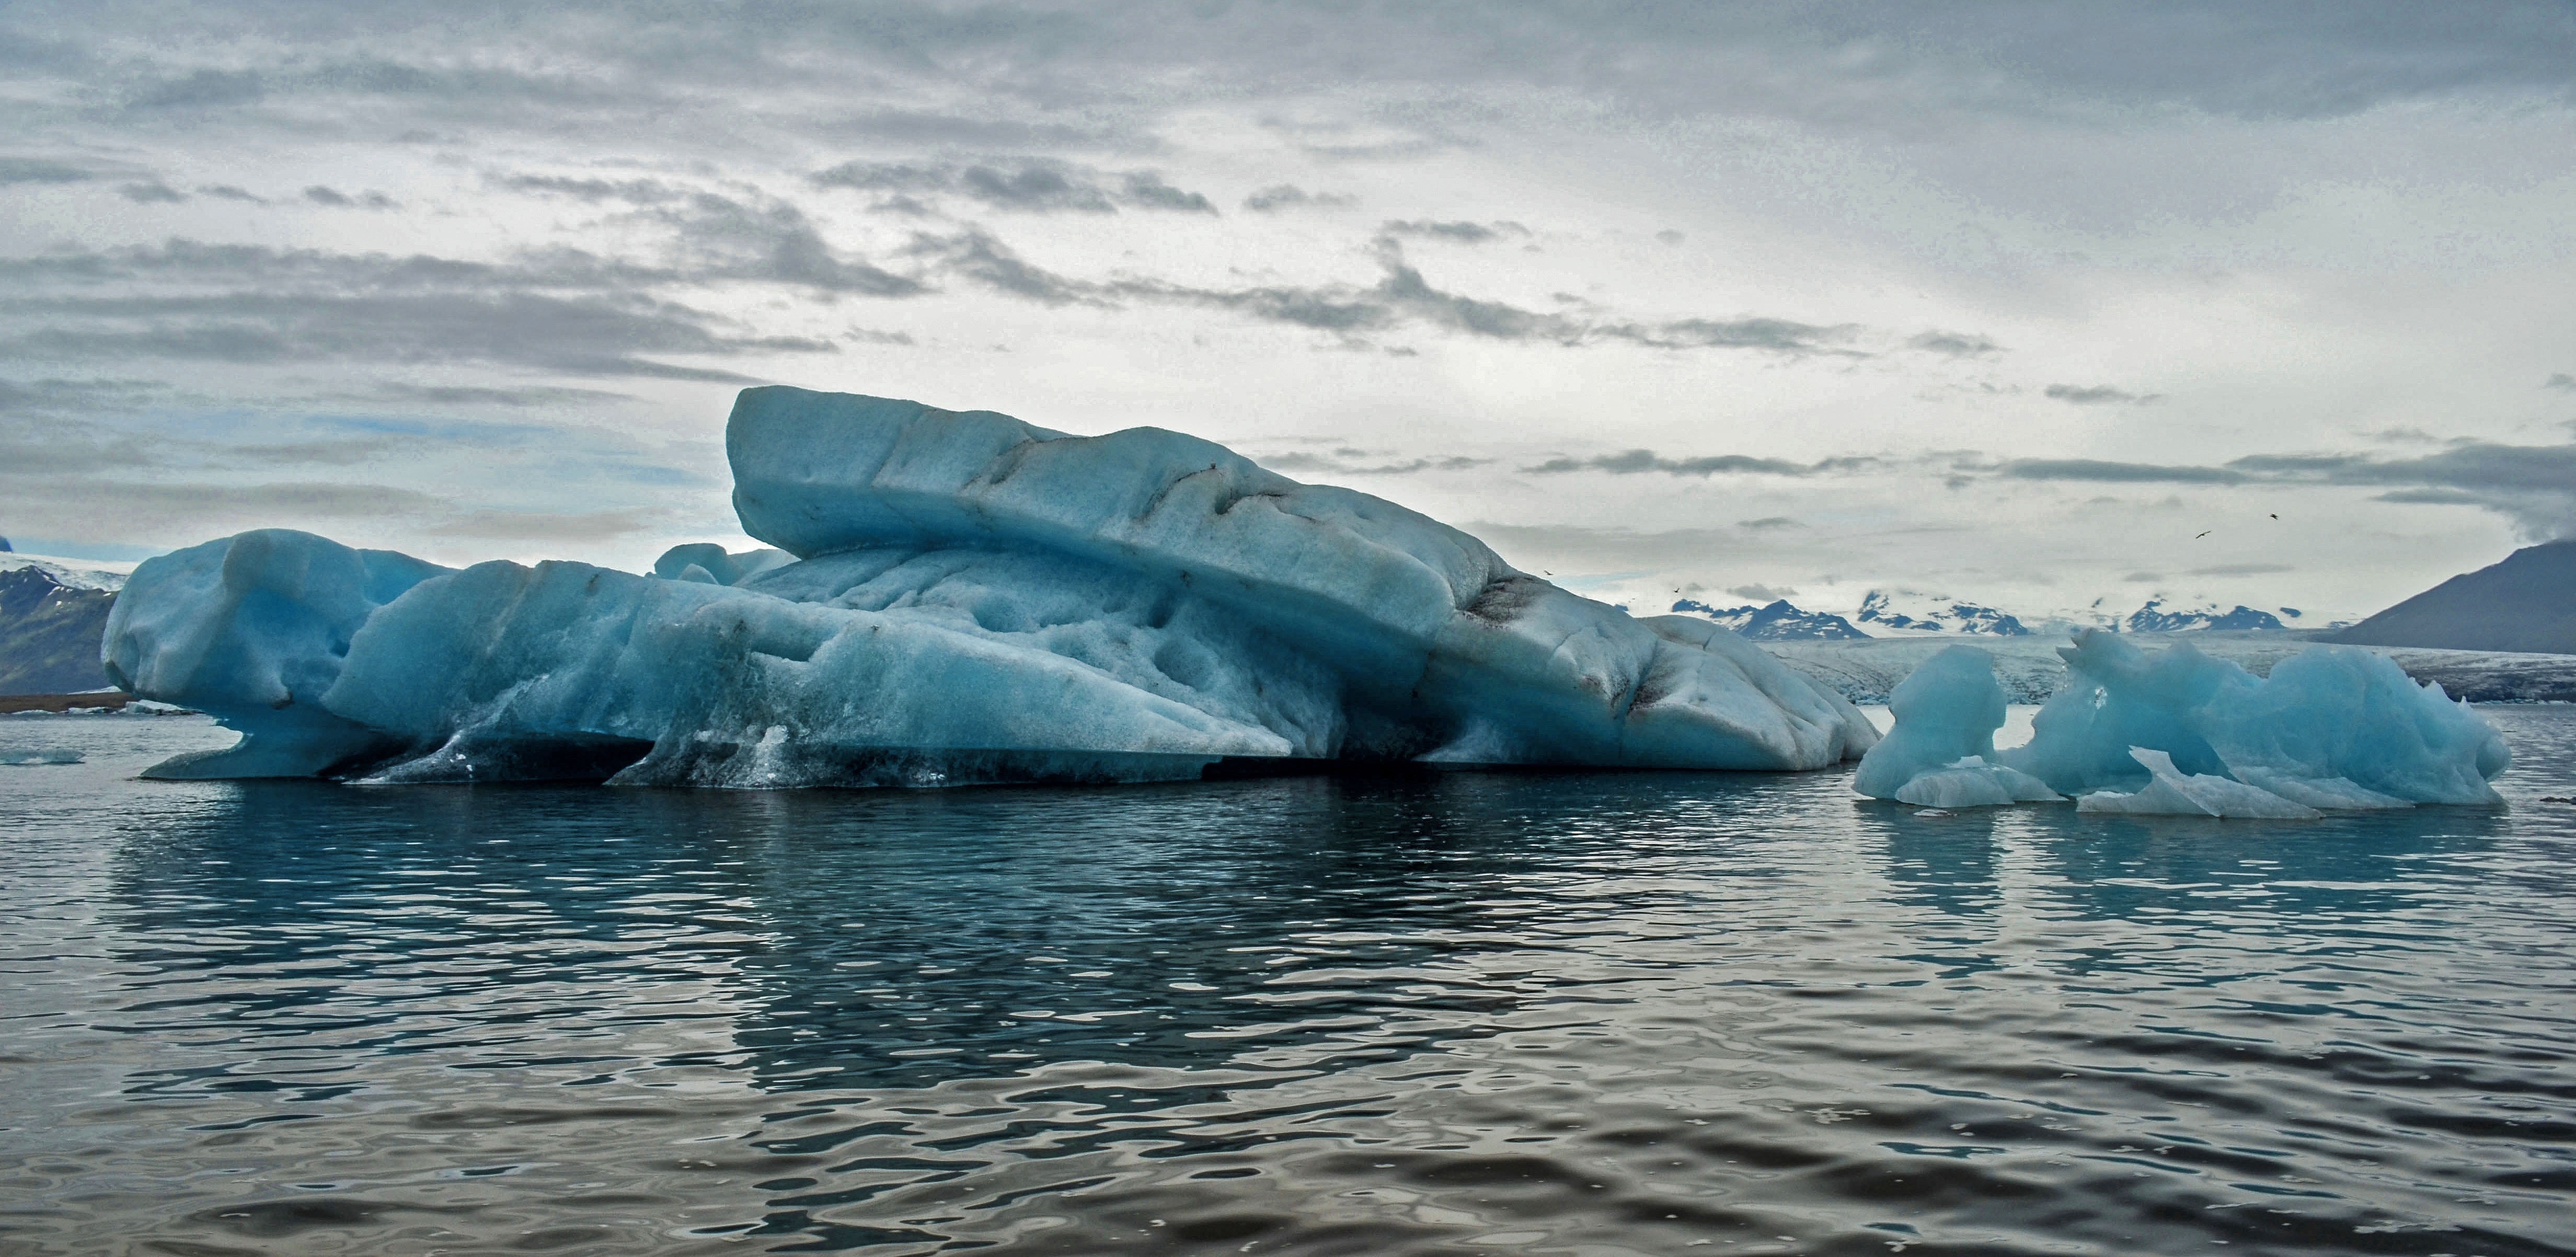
951	597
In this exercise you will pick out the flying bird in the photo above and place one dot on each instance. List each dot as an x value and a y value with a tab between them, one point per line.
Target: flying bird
2202	533
2276	517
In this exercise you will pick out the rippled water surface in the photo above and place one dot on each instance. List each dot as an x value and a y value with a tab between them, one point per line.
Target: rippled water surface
1580	1013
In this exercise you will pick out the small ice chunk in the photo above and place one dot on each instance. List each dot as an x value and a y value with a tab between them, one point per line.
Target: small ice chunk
1942	751
40	755
1972	782
2172	793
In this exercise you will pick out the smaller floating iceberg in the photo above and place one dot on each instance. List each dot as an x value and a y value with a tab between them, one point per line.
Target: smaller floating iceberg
2175	732
1942	751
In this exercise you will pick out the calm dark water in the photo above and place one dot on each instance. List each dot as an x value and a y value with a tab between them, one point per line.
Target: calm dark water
1595	1013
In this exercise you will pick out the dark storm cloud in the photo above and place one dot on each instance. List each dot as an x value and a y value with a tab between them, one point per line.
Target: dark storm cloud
2098	395
1027	185
1633	462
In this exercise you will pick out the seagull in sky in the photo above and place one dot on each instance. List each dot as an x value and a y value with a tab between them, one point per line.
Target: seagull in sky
2202	533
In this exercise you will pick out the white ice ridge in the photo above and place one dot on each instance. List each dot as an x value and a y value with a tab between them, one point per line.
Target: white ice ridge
955	598
2333	728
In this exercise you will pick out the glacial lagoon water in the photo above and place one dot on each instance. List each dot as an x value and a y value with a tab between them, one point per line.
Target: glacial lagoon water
1596	1013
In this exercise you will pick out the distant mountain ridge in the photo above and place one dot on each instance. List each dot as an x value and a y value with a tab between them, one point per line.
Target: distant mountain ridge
1901	615
1880	608
2525	603
49	634
2153	618
1776	622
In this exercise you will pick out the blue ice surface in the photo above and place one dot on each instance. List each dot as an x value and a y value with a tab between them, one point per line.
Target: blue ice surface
953	598
2333	728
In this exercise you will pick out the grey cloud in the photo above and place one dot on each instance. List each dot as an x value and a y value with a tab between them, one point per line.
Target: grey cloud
321	194
2534	485
162	513
1954	344
2092	469
977	256
1762	593
634	191
201	89
151	193
468	395
1401	296
1458	232
227	192
2242	569
1672	237
2143	578
17	170
1777	335
2562	382
1281	196
1028	185
1768	523
54	395
2098	395
580	526
1632	462
576	336
916	127
774	241
1146	188
1341	464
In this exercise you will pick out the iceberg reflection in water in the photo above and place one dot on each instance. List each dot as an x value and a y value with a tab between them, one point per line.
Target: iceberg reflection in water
1383	1015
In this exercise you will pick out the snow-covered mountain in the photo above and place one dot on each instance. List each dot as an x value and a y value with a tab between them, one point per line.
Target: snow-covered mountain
2155	617
2525	603
1776	622
49	633
1904	613
68	573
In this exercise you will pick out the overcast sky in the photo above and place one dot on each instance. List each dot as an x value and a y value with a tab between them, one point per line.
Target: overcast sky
2009	302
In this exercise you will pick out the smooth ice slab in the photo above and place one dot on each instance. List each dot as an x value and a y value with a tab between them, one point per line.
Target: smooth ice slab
965	597
2171	793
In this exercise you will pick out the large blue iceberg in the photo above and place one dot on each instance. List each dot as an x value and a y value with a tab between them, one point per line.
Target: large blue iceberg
955	598
2332	728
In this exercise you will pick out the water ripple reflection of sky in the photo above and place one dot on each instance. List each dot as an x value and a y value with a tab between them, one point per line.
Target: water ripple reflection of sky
1599	1013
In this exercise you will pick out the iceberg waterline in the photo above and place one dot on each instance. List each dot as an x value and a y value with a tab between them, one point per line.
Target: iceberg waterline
2175	732
955	598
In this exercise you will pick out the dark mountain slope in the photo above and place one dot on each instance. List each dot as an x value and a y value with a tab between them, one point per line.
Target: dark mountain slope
49	634
2527	603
